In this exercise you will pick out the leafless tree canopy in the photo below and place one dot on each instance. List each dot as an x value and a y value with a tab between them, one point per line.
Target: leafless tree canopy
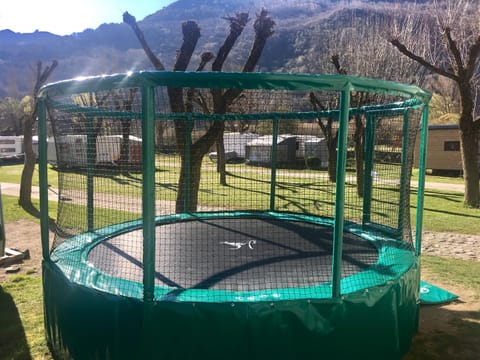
453	51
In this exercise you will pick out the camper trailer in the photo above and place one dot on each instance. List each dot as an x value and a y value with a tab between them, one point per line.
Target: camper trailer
316	153
235	144
258	152
11	147
72	150
443	149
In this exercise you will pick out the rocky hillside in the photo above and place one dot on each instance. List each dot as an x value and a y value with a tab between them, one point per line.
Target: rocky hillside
113	48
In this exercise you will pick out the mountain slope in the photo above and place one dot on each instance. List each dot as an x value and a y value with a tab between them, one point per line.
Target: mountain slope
113	48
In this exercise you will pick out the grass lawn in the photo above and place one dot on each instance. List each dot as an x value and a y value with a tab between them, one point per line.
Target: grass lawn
444	210
21	298
22	335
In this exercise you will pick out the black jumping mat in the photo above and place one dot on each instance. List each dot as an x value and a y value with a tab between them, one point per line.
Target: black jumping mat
235	254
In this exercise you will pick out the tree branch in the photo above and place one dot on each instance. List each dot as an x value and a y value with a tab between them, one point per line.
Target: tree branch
263	30
335	60
237	24
403	49
130	20
205	59
191	34
472	58
453	47
42	76
476	125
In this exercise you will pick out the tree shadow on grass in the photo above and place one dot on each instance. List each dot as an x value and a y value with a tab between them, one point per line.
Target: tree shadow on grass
13	343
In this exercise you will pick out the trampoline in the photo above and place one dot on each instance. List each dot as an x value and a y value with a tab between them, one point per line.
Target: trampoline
280	263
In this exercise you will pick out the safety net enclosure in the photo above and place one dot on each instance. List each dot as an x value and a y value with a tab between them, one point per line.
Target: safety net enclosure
232	215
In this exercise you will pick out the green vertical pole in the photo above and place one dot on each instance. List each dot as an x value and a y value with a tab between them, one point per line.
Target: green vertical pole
273	162
368	182
421	180
43	178
2	227
404	172
188	162
340	192
91	151
148	194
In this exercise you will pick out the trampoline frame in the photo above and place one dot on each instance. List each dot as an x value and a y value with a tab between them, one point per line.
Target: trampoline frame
72	257
335	299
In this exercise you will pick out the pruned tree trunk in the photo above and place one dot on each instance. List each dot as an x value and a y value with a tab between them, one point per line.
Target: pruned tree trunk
359	139
189	181
125	146
359	133
221	158
25	196
330	134
126	125
332	159
469	147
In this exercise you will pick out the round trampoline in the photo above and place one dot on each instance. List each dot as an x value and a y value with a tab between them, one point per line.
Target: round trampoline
280	263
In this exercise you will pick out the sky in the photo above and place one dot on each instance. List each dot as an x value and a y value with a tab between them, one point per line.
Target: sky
64	17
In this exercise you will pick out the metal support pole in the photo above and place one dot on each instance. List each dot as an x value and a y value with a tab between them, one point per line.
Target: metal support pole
43	179
368	183
404	175
91	151
188	163
421	180
148	194
273	165
340	192
2	227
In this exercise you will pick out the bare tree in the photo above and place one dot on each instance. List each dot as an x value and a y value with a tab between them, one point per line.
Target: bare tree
25	197
329	131
358	49
358	99
222	99
455	56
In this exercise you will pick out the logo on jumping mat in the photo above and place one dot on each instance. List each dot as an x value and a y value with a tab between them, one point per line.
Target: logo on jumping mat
239	245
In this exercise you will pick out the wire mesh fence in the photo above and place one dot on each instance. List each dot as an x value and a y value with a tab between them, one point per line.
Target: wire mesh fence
245	189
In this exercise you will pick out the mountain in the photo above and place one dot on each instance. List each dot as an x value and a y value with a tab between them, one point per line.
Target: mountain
113	48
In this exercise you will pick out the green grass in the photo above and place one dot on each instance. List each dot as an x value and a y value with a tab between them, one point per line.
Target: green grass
20	296
13	173
444	212
461	273
297	190
454	179
22	335
12	211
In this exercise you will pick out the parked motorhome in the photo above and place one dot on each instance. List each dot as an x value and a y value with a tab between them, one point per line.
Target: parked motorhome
51	152
443	148
316	152
72	150
11	146
259	151
292	150
234	143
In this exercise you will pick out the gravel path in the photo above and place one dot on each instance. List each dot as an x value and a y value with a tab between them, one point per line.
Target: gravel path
452	245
